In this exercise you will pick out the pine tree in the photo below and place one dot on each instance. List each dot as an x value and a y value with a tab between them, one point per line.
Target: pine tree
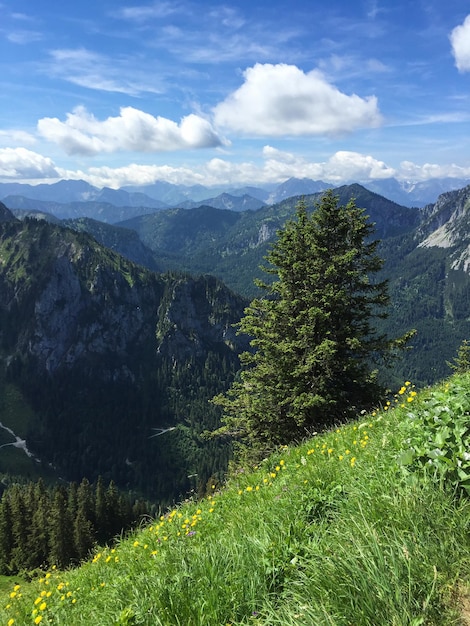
84	533
461	362
6	535
20	525
39	531
313	338
62	549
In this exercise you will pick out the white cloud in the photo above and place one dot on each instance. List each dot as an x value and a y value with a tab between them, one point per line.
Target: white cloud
91	70
282	100
460	40
410	171
344	165
147	12
279	155
133	130
22	37
8	137
19	163
135	174
277	166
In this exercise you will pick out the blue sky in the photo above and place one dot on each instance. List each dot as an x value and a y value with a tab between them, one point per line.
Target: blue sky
237	93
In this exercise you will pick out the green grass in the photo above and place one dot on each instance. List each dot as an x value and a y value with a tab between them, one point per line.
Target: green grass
334	532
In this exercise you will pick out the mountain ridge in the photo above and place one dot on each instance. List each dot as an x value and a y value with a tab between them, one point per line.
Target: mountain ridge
162	194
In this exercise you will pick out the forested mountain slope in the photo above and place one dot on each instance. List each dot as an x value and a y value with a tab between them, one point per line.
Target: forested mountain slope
105	352
231	245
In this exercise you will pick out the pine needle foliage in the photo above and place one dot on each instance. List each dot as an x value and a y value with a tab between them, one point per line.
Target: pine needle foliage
461	362
313	338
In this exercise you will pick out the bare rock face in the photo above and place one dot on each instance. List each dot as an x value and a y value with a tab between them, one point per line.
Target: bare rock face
87	306
197	314
56	313
449	227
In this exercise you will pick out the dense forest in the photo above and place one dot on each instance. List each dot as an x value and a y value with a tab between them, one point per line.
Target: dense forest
42	526
104	353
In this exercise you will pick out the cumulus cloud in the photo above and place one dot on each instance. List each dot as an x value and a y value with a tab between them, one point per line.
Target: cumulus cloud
20	163
133	130
136	174
411	171
282	100
345	165
460	41
276	166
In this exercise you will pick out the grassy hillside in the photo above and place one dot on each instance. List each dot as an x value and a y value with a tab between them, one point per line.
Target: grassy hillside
365	525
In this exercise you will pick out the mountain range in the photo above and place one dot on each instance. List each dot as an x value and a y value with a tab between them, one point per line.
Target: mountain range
77	198
114	336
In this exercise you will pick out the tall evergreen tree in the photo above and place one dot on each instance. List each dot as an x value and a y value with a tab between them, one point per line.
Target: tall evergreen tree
461	363
84	532
62	549
6	535
39	529
20	526
315	346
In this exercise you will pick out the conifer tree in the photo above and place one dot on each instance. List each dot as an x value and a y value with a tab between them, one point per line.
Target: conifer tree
6	535
313	337
461	363
62	548
39	530
21	522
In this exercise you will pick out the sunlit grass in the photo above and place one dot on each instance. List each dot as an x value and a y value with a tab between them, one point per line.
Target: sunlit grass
332	532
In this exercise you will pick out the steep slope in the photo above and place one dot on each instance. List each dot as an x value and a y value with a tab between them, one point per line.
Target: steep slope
339	530
5	214
106	351
448	226
124	241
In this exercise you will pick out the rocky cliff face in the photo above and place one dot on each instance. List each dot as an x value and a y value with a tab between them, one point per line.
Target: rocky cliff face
448	226
83	304
197	314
